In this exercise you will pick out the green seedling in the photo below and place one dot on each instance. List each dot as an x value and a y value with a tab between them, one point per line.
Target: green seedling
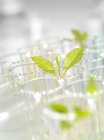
92	86
63	109
78	37
72	58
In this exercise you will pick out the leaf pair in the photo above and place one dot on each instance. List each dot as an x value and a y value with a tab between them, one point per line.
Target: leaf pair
79	37
72	58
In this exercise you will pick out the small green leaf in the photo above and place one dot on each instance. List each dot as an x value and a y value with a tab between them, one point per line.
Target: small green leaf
64	125
72	58
79	37
44	64
92	86
76	32
59	107
81	114
58	63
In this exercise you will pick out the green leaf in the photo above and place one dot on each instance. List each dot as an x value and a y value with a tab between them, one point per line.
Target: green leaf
59	107
76	32
72	58
81	114
92	86
84	36
44	64
79	37
64	125
58	63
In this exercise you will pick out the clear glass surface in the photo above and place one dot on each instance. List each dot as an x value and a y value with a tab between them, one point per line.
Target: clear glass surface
93	57
98	72
47	122
25	72
36	91
27	52
14	122
79	87
74	73
10	60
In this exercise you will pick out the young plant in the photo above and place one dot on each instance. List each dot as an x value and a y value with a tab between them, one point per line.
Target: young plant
92	87
78	113
72	58
78	37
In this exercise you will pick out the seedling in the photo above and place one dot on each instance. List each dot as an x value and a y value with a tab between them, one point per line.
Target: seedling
79	114
72	58
78	37
92	86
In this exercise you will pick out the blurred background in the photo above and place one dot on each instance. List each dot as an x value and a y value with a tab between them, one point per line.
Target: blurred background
22	22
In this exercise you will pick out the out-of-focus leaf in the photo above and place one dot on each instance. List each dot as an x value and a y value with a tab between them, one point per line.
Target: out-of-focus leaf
81	114
59	107
64	125
92	86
